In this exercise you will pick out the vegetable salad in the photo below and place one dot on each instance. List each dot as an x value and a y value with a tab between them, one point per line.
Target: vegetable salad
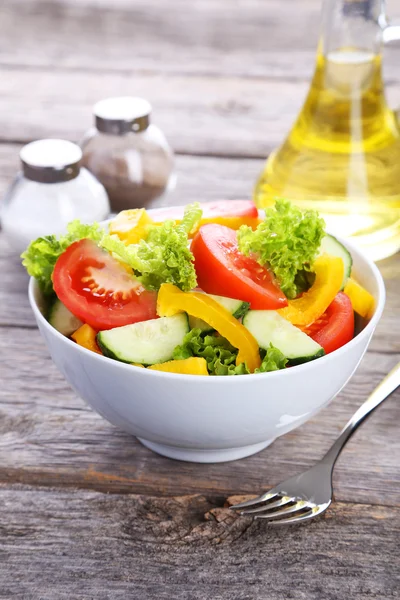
212	289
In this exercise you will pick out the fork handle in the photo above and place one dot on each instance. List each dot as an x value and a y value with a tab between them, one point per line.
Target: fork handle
386	387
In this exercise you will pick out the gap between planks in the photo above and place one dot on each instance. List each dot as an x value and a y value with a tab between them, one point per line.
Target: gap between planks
27	484
152	72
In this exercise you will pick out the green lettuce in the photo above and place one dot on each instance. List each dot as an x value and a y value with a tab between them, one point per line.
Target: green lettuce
287	241
273	360
218	352
42	254
221	355
164	256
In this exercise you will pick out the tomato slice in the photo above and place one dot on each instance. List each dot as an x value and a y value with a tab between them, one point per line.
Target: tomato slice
336	326
231	213
98	290
222	269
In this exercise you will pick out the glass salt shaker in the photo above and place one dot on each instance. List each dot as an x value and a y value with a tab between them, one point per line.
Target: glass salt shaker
128	154
51	190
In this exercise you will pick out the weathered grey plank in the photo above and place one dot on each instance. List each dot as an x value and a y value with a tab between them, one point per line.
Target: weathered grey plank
250	38
244	39
50	437
79	545
200	115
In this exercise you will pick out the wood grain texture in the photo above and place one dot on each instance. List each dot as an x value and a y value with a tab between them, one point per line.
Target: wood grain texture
199	115
49	437
228	116
144	35
82	545
246	38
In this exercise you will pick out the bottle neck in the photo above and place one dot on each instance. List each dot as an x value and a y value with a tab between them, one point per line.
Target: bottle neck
352	25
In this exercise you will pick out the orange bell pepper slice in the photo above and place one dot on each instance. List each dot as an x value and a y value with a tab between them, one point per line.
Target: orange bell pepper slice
362	301
187	366
131	225
171	300
306	309
85	336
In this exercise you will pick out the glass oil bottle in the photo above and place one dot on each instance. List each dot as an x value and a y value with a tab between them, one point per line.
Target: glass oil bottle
342	156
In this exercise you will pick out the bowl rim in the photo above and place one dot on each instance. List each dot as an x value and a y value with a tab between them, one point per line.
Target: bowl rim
366	332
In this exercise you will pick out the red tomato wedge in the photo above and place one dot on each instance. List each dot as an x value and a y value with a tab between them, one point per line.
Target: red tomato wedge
222	269
231	213
98	290
336	326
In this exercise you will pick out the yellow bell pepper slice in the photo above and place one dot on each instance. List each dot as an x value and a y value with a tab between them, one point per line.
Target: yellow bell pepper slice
362	301
187	366
303	311
131	225
171	300
85	336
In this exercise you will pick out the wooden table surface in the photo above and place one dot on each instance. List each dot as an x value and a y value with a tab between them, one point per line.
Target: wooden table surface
85	511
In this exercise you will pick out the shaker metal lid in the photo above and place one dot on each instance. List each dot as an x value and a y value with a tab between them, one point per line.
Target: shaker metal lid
51	161
122	115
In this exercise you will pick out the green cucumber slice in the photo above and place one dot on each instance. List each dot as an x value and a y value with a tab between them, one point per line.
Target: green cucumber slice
62	319
330	245
269	327
147	342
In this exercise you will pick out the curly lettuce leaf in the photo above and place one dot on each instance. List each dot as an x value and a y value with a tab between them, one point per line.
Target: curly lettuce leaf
191	218
42	254
218	352
273	360
221	355
287	241
164	256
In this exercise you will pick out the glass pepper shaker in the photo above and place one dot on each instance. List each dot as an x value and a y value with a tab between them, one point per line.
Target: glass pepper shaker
128	154
51	190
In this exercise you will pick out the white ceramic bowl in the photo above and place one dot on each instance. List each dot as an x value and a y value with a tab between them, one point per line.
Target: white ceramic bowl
210	419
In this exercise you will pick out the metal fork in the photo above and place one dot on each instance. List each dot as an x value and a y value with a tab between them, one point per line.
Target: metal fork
305	496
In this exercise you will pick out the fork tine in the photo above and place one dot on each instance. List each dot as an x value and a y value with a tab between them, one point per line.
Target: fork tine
292	520
262	498
314	512
300	506
267	507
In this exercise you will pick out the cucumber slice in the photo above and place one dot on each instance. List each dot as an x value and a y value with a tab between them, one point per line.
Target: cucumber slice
147	342
268	327
196	323
62	319
237	308
330	245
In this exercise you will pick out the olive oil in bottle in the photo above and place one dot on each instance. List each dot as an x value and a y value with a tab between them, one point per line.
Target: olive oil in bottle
342	156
